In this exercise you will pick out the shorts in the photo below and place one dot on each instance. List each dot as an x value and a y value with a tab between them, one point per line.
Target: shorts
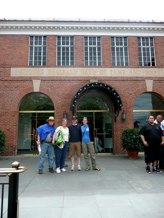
151	154
75	148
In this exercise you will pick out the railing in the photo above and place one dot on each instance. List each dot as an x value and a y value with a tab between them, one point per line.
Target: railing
13	185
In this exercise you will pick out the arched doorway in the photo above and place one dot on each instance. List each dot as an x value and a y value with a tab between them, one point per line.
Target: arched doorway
147	104
34	109
101	104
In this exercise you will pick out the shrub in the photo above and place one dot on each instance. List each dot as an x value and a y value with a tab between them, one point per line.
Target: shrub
131	139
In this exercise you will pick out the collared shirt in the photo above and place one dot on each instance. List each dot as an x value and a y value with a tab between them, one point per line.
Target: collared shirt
44	130
85	133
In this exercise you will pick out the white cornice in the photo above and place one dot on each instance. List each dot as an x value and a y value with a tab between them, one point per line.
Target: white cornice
81	28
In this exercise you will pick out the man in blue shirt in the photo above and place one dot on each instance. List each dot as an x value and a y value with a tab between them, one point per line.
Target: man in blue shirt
87	146
45	133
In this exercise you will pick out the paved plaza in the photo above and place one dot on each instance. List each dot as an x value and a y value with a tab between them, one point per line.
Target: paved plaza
122	189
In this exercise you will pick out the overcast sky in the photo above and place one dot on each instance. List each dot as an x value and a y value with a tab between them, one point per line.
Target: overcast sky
145	10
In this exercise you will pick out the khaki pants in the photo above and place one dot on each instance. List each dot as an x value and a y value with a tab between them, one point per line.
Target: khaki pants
88	148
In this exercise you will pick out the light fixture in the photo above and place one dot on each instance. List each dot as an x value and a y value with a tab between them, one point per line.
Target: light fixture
123	115
65	115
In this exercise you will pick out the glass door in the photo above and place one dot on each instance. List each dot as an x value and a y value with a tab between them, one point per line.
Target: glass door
34	109
27	134
100	124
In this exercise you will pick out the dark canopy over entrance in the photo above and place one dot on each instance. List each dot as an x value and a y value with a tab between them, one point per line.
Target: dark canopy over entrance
114	96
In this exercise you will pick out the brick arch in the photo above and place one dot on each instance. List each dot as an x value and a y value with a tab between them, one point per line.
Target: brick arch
110	91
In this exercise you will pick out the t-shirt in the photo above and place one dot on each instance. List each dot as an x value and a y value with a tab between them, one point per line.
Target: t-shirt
85	133
152	133
75	133
162	125
65	132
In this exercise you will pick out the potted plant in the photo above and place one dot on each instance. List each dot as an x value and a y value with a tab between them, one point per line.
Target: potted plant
131	142
2	140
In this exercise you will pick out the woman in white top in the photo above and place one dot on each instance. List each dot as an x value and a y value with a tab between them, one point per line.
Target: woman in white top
61	150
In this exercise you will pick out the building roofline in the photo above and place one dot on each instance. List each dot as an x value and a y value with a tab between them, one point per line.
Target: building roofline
58	20
81	27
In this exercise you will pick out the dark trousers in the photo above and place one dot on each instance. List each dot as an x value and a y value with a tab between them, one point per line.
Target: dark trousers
60	155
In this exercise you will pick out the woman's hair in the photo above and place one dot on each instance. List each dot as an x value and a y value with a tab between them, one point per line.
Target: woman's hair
85	118
64	119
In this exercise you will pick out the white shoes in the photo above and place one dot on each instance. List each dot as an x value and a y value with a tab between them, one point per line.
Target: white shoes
58	170
78	167
72	168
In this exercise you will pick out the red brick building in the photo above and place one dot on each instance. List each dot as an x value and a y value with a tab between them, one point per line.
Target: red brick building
110	71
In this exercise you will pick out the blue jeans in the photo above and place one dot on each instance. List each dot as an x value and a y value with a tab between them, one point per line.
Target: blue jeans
46	148
60	155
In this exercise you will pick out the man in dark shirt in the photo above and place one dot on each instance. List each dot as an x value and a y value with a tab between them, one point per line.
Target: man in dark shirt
152	137
75	143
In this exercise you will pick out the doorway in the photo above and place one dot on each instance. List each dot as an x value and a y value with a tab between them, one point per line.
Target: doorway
96	106
34	111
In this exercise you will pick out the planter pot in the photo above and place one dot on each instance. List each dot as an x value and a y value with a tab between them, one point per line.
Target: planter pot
132	154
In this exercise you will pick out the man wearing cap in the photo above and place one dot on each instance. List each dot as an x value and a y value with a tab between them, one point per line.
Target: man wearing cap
75	143
45	133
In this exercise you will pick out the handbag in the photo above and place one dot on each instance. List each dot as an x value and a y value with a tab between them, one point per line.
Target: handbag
59	139
48	138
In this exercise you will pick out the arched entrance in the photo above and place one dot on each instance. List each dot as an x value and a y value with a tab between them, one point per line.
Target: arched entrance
34	109
101	104
146	104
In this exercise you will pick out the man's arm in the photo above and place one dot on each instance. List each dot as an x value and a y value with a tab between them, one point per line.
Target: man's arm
143	140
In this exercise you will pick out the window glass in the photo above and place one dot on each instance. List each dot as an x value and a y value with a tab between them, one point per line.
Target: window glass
146	51
92	51
65	50
145	105
119	51
37	51
36	101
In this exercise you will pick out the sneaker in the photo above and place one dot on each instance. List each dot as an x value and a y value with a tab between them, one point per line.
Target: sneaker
96	168
148	169
79	168
86	169
63	170
51	170
72	168
156	170
40	171
58	170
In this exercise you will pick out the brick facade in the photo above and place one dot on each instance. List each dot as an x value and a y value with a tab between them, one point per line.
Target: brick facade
14	52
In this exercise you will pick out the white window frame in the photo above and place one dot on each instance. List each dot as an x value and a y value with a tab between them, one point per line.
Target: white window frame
91	47
34	46
116	62
69	46
142	47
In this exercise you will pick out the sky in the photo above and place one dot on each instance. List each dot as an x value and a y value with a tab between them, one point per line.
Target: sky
138	10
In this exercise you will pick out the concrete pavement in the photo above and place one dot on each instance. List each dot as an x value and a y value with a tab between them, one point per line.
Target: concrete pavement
122	189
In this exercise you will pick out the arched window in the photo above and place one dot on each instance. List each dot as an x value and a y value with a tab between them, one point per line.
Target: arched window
147	104
34	110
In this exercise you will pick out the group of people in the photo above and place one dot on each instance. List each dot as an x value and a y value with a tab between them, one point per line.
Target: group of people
152	136
74	137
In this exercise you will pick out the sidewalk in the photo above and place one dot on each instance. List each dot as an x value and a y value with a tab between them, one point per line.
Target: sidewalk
122	189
